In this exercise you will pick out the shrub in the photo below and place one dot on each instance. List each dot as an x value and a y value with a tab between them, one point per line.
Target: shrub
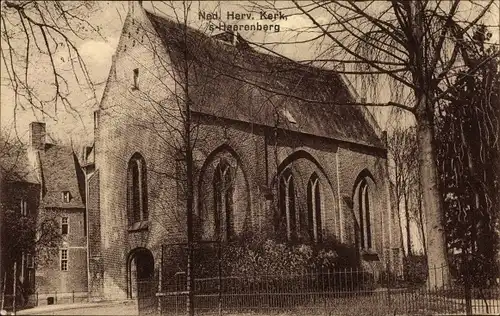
478	271
252	263
415	269
255	263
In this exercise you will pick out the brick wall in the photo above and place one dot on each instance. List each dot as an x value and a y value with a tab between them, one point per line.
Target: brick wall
49	276
94	236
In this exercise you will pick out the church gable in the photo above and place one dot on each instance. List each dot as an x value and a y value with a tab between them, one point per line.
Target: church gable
140	79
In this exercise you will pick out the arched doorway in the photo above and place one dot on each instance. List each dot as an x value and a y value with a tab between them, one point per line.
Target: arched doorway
140	271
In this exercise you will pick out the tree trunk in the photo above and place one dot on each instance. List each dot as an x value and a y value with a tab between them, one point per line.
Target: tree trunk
401	233
14	292
3	289
421	219
189	210
398	209
407	218
436	238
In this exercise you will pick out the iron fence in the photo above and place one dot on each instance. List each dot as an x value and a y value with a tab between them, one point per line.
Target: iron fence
345	292
374	292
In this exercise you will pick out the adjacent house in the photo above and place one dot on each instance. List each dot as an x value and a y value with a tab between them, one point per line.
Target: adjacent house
20	197
62	185
48	184
267	160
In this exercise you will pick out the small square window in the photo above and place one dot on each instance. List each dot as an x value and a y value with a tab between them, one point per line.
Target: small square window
136	76
64	259
64	226
66	196
96	119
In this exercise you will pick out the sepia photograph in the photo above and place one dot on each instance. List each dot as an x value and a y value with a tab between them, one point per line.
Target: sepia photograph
250	158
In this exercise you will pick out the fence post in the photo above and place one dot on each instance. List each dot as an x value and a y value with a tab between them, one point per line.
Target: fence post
160	280
73	296
3	289
55	296
388	275
37	298
467	288
14	289
219	267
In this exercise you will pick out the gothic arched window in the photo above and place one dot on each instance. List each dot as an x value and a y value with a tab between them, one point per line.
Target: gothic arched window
314	208
288	218
223	189
364	215
137	194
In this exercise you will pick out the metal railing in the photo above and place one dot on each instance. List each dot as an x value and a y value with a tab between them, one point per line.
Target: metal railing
335	292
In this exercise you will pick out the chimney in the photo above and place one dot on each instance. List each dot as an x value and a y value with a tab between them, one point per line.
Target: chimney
37	136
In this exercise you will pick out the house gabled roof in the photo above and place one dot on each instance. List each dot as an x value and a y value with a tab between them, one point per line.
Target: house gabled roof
61	172
246	85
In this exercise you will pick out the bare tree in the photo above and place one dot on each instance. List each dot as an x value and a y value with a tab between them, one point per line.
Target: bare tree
37	32
415	47
25	232
402	147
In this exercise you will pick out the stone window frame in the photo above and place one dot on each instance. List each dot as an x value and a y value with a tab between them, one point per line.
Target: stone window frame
288	203
64	225
64	258
314	208
364	213
137	193
223	190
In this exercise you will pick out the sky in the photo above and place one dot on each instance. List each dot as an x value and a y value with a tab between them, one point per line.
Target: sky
75	126
70	126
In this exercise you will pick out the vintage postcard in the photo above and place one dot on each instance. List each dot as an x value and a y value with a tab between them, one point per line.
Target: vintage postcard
250	158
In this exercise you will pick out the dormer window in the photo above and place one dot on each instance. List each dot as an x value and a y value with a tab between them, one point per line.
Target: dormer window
289	116
66	197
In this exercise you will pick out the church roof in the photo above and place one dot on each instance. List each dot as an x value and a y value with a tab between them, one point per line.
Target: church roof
237	82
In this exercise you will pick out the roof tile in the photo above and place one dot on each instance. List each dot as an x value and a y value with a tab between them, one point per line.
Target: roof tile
61	172
249	86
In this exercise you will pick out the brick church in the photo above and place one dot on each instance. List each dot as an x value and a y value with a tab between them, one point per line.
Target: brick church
276	151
